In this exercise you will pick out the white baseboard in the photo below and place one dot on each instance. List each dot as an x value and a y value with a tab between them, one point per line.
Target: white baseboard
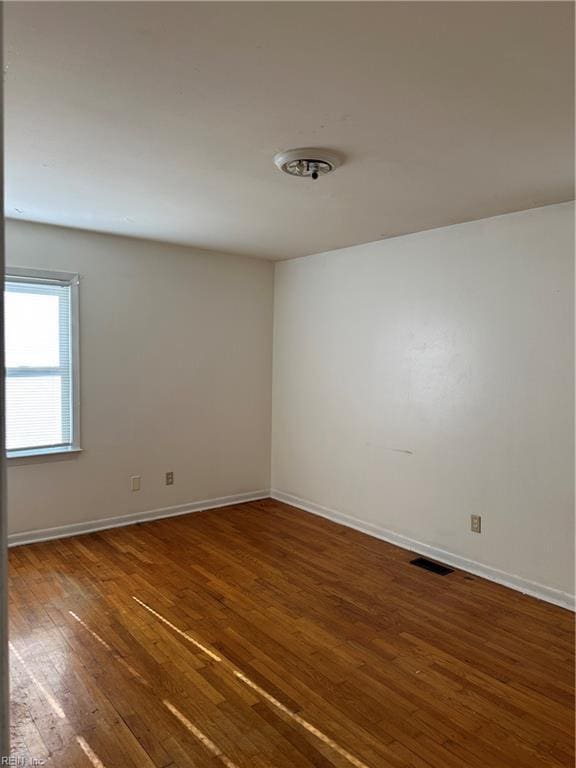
542	592
74	529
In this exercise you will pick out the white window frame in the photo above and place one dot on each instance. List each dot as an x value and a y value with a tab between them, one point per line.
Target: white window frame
71	279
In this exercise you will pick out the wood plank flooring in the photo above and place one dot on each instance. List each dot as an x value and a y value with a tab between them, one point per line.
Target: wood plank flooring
259	636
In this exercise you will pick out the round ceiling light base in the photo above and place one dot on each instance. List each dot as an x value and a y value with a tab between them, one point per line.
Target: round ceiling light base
307	163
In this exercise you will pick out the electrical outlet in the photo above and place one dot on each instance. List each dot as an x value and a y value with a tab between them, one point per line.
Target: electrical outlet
135	482
169	478
475	523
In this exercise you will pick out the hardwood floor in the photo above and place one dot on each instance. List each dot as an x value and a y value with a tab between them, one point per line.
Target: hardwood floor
261	636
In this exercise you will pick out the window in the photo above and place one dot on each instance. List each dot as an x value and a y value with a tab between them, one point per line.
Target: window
41	362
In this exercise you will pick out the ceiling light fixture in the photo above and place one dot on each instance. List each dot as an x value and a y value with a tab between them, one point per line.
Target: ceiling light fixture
307	163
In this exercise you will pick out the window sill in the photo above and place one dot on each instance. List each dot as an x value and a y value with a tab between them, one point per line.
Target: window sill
25	456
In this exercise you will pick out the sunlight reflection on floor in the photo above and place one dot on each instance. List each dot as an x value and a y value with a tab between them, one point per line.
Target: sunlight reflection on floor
247	681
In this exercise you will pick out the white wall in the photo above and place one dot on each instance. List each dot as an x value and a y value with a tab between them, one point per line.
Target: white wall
428	377
176	365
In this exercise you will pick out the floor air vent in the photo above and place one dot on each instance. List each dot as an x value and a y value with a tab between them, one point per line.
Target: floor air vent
428	565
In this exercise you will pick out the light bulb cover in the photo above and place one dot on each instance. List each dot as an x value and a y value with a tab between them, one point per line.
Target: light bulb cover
307	162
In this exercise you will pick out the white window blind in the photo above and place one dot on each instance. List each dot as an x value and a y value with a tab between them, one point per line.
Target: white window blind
40	363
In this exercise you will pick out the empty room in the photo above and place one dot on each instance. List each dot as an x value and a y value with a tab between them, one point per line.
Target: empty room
289	385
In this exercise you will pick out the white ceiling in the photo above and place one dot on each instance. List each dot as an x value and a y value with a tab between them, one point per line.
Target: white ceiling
160	120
